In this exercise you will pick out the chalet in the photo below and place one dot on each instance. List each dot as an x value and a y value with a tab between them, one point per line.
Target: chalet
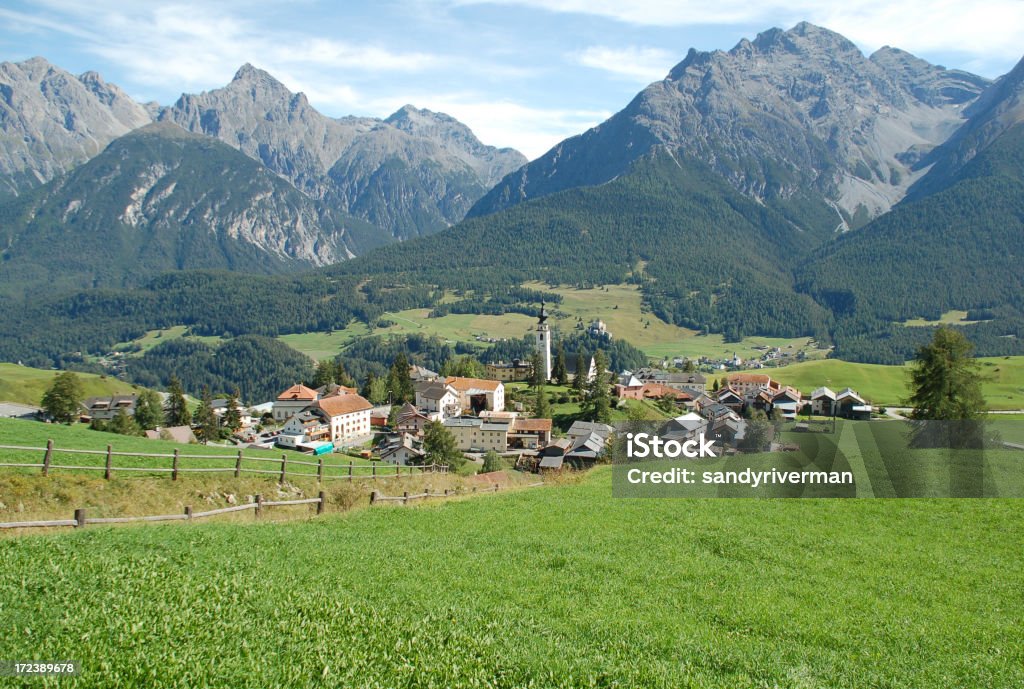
435	397
760	400
418	373
529	434
510	372
106	408
823	402
348	416
731	399
686	427
477	395
586	450
304	427
728	431
406	451
850	405
676	380
747	384
292	401
715	412
411	420
582	429
479	435
789	401
220	408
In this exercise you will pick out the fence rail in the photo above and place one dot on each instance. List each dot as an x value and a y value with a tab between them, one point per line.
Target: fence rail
348	471
377	496
81	519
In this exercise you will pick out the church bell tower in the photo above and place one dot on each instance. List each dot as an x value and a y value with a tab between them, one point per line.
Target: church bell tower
543	341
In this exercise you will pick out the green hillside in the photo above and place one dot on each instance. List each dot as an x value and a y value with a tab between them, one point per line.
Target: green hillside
1002	380
554	587
26	385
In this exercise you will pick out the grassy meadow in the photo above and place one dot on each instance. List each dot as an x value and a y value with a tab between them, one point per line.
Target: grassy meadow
561	586
26	385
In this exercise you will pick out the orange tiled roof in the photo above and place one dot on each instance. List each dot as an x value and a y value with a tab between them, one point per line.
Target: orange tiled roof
532	425
297	392
464	384
343	404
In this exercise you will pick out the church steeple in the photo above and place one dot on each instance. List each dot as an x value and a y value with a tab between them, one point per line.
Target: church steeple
543	341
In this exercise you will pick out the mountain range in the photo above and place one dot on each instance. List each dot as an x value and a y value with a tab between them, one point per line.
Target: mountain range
789	186
371	180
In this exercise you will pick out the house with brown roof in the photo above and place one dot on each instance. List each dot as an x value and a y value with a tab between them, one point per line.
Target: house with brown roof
411	420
347	416
477	394
106	408
748	384
292	401
529	434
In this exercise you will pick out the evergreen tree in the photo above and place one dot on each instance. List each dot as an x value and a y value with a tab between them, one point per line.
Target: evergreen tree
375	389
465	366
205	420
759	433
947	399
122	424
148	414
439	446
232	416
324	374
558	369
493	462
63	398
599	397
579	381
175	407
341	376
399	381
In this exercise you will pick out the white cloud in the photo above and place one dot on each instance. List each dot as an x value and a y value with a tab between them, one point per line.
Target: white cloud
643	65
984	30
505	123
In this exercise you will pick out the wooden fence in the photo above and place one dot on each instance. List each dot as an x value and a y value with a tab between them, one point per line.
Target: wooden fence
257	505
378	497
175	469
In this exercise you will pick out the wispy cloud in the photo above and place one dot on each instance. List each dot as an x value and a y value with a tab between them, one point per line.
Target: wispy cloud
642	65
983	30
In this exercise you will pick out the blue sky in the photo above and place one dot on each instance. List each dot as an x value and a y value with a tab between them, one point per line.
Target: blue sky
522	73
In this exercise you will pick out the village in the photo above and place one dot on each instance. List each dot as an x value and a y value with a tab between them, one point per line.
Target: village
481	417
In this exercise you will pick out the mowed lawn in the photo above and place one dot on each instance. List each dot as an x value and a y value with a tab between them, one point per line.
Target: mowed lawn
560	586
26	385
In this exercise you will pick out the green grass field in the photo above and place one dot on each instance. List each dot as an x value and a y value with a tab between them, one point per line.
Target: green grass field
154	337
619	306
26	385
1002	380
81	437
553	587
948	318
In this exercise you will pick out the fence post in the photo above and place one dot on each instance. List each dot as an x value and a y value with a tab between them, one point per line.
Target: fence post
398	469
110	462
79	517
350	471
405	498
496	487
259	504
373	497
374	467
174	466
47	457
320	470
284	466
238	464
188	511
320	505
